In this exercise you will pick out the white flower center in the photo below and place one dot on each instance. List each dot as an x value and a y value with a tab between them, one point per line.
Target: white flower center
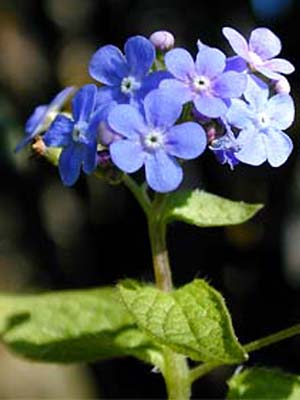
129	84
154	140
79	131
263	120
200	83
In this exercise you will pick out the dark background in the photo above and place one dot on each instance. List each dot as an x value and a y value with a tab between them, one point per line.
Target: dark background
52	237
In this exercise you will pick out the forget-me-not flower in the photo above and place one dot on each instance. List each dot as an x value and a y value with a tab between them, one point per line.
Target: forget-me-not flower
259	53
151	138
204	82
126	78
261	120
77	136
43	115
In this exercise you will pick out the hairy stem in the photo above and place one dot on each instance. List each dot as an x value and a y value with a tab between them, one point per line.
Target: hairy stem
176	374
176	370
274	338
160	257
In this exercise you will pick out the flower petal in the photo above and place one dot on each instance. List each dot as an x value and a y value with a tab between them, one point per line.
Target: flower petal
252	147
264	43
35	121
61	98
127	121
151	82
187	140
100	115
140	54
127	155
180	63
230	84
210	62
84	102
110	94
279	65
177	89
69	163
235	63
161	109
237	42
60	132
278	147
34	126
281	110
108	65
256	93
163	173
90	157
239	114
210	106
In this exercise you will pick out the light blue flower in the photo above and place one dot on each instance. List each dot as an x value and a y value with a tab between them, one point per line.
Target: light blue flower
151	138
204	81
262	120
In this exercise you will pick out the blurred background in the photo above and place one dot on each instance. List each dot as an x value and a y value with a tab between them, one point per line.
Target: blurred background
52	237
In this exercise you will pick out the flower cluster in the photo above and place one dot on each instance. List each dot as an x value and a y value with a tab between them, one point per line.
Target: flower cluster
158	106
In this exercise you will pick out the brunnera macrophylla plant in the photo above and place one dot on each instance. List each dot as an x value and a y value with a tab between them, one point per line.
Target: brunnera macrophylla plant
153	108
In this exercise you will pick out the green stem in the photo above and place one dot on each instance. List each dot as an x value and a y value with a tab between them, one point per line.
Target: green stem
160	257
176	374
175	369
201	370
139	193
274	338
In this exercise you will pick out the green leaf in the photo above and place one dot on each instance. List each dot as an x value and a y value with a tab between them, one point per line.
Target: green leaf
192	320
207	210
263	383
73	326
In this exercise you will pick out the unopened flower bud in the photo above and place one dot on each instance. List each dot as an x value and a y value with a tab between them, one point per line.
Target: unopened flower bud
106	135
39	146
162	40
282	86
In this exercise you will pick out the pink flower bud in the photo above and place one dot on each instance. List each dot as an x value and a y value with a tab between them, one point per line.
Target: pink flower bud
162	40
282	86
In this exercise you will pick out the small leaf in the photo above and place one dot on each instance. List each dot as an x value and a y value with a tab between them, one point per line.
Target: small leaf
192	320
73	326
263	383
207	210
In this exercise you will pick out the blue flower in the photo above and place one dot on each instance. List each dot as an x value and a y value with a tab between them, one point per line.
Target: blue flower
261	120
258	54
77	136
204	82
150	138
42	116
225	146
126	78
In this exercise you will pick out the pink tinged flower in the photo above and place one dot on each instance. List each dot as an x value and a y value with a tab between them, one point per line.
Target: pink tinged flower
259	53
282	85
203	81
